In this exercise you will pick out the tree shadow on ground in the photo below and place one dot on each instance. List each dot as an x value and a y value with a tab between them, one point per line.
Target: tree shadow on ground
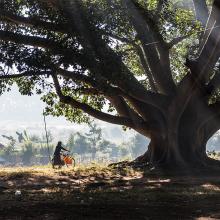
103	195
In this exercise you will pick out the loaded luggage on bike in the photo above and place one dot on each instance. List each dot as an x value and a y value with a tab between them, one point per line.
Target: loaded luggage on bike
60	159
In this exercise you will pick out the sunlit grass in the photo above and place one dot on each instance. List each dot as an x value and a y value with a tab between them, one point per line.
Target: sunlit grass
101	186
214	155
93	169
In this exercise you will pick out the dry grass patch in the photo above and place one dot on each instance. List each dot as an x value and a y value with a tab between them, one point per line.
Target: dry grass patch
97	190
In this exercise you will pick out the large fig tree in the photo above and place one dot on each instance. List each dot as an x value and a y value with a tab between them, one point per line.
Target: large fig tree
152	66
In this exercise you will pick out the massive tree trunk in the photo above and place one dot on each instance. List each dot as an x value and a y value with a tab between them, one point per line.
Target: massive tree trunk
178	151
188	153
181	141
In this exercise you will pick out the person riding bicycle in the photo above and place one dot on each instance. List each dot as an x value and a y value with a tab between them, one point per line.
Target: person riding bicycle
57	154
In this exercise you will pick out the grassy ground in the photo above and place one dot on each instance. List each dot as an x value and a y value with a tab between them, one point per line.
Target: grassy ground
98	192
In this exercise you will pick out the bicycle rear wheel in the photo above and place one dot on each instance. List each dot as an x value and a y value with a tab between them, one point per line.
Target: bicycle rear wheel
73	162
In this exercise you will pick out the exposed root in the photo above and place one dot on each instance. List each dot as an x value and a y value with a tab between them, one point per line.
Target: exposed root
121	164
207	166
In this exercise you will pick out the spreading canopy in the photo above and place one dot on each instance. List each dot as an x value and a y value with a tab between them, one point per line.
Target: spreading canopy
125	62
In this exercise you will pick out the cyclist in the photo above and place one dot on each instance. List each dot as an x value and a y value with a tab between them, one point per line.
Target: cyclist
57	154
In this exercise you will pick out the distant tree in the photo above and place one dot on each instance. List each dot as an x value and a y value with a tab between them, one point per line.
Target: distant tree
2	146
114	151
45	150
28	151
35	138
24	136
124	149
105	146
138	145
81	144
10	138
9	150
94	137
49	136
20	136
95	133
71	142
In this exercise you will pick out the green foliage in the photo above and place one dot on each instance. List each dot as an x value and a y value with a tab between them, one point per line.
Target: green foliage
28	152
93	142
32	148
78	144
56	108
9	150
95	134
71	141
111	22
27	149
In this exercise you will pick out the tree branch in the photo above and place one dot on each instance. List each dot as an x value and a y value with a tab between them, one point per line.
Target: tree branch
123	108
146	68
26	40
110	65
88	109
148	33
150	22
54	47
146	126
211	50
16	76
75	76
160	5
88	91
32	22
129	84
177	40
157	100
118	38
214	84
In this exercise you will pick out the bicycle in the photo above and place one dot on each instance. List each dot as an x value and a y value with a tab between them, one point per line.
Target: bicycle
66	159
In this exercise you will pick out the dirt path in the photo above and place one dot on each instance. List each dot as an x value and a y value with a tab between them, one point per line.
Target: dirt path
100	193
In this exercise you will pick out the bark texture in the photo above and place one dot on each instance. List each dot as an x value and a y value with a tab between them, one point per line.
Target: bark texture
182	143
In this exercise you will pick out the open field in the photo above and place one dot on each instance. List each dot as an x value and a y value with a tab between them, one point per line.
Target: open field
99	192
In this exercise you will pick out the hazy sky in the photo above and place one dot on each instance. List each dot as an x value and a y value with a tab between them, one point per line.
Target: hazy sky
15	107
18	113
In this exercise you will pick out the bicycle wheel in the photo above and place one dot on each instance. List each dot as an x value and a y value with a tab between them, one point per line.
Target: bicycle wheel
73	162
52	163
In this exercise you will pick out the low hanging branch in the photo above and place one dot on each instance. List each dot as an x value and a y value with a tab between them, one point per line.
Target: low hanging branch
89	110
26	74
32	22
